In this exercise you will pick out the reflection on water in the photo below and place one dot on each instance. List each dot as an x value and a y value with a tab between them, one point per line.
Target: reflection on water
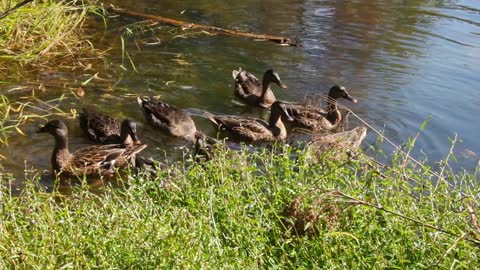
403	60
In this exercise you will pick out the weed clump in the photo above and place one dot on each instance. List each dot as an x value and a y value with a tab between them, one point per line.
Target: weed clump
309	219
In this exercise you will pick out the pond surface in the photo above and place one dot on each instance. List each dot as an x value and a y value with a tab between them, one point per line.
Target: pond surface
403	60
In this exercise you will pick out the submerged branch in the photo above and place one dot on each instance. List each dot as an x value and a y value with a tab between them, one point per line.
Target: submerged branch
212	29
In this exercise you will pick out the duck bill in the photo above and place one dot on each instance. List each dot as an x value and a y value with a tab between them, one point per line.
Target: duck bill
349	97
282	85
287	115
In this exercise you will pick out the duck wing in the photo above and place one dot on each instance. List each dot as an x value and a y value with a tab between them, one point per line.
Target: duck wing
310	117
170	119
299	109
94	159
101	159
99	127
253	130
245	128
247	84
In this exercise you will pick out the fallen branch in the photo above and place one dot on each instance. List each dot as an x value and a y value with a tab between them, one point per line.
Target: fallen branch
19	5
212	29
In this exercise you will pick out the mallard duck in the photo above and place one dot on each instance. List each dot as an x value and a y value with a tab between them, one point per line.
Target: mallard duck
169	119
249	89
350	139
315	118
104	129
253	129
91	160
339	145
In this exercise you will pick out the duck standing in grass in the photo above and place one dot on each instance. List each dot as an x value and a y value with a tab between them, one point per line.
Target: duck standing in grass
253	92
315	118
91	160
252	129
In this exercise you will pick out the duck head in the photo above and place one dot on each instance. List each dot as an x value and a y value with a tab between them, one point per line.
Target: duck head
128	132
271	76
54	127
279	108
338	91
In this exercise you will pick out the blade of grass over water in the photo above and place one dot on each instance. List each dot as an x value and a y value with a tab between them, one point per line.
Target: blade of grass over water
14	115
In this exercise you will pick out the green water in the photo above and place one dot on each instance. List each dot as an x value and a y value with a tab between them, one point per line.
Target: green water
403	61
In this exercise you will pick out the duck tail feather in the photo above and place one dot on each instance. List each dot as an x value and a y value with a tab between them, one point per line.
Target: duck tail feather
141	101
211	117
235	73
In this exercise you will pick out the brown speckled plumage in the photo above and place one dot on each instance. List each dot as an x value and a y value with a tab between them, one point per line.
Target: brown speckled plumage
170	119
253	92
91	160
104	129
253	129
315	118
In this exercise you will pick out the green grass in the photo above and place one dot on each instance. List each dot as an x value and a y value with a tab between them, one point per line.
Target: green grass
43	32
236	212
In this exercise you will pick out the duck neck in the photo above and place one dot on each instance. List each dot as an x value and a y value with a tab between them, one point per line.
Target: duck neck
265	86
60	153
333	115
276	125
125	138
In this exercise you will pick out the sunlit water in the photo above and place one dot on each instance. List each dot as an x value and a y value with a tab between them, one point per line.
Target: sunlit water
403	60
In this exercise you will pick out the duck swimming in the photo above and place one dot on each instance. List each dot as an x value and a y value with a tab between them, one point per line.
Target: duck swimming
90	160
169	119
253	129
315	118
253	92
104	129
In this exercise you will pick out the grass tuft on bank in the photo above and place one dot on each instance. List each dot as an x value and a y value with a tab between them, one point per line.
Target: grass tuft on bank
43	32
270	209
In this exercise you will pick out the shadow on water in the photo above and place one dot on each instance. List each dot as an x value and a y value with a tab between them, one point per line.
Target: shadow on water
403	61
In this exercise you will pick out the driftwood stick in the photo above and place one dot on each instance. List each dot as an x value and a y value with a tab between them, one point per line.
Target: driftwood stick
213	29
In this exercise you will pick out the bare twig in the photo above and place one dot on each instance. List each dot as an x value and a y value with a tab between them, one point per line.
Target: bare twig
440	177
207	28
473	217
450	152
17	6
379	207
450	248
